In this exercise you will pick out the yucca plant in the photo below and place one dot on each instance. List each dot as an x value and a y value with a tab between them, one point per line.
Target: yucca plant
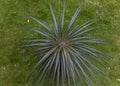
66	56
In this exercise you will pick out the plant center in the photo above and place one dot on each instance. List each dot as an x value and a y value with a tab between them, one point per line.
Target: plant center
62	44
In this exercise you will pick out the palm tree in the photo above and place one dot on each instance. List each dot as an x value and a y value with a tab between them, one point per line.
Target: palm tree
65	53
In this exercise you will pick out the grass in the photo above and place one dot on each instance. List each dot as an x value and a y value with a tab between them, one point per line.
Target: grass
15	65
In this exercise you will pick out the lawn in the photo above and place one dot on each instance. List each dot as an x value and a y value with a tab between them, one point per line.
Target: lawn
15	65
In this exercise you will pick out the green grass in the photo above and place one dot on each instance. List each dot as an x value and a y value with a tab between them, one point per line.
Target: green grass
15	65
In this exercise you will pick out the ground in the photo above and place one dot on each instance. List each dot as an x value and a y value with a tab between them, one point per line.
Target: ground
15	65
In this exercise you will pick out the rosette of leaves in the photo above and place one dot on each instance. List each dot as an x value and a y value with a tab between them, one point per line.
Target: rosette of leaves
66	56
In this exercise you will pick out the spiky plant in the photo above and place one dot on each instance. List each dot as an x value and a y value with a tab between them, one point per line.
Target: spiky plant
65	53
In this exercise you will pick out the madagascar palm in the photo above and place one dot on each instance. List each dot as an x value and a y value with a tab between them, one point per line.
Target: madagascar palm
65	53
